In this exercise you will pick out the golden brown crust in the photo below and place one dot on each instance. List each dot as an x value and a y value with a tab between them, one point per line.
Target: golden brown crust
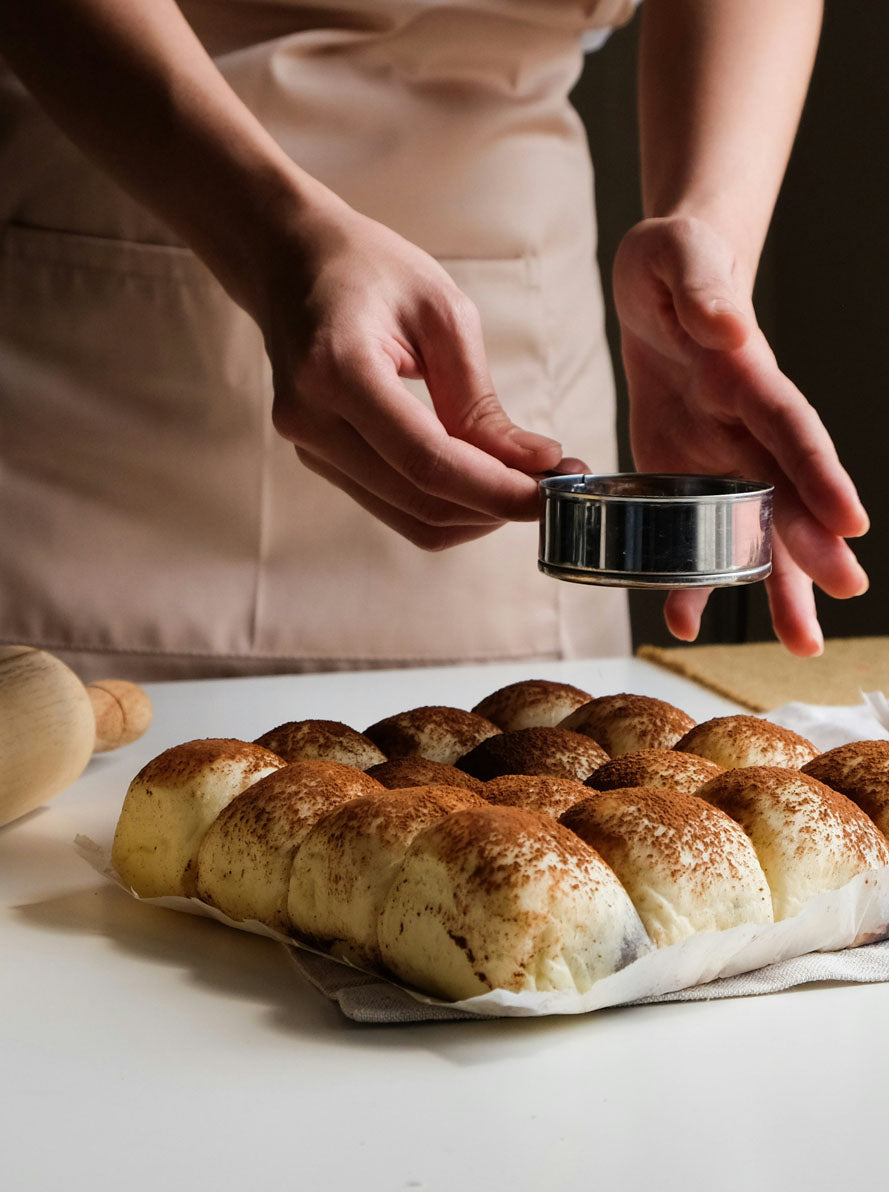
439	733
735	741
626	723
531	703
550	752
654	767
185	763
326	739
534	792
420	771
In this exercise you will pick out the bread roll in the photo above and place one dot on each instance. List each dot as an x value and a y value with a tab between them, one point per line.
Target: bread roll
246	856
809	838
499	898
420	771
329	740
687	866
859	771
170	805
549	796
627	723
551	752
654	767
532	703
347	861
439	734
736	741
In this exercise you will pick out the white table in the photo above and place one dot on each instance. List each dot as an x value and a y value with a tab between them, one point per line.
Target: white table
143	1049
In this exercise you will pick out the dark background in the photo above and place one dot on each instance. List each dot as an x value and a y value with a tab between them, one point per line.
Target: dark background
821	294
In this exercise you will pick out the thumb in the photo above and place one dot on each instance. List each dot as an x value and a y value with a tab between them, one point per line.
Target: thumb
705	301
455	369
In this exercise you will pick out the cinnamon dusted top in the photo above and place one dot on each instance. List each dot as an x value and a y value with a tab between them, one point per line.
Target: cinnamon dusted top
654	767
184	763
626	723
531	703
742	740
534	792
393	817
441	734
420	771
552	752
331	739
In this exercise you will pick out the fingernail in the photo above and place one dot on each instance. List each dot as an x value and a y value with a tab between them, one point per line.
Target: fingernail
864	583
722	306
534	442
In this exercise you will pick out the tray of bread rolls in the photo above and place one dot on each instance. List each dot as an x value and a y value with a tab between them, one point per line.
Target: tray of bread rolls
547	852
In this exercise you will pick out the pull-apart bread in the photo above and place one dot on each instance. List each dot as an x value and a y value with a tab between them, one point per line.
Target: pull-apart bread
532	703
654	767
686	866
550	752
170	805
735	741
420	771
627	723
859	771
499	898
329	740
809	838
347	862
246	856
438	733
534	792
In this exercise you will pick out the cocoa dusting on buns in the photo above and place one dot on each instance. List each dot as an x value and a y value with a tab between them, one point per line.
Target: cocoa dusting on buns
809	839
859	771
244	862
329	740
627	723
532	703
498	898
420	771
735	741
686	865
551	752
348	860
534	792
654	767
440	734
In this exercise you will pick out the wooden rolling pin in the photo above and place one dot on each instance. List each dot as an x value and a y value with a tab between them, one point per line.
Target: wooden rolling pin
50	725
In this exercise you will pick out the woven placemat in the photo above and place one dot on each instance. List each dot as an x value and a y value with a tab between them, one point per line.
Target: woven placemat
762	675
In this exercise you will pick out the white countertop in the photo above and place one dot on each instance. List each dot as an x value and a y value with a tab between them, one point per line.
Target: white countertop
145	1049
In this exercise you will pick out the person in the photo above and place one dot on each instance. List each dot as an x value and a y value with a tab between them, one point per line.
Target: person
379	214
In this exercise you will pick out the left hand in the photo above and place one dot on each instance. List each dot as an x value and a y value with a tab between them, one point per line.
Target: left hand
707	396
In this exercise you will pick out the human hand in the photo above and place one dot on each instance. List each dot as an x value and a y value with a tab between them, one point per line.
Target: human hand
707	396
353	309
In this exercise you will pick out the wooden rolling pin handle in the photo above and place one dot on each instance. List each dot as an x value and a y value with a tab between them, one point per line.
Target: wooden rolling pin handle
122	711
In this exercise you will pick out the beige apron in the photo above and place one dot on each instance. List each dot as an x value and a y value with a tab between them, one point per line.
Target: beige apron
154	525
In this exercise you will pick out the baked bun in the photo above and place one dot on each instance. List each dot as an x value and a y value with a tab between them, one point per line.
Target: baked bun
439	734
859	771
533	703
552	752
246	856
348	860
420	771
328	740
627	723
686	865
736	741
654	767
499	898
534	792
170	805
809	838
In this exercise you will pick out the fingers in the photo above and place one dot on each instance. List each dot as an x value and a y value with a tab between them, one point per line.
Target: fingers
456	373
792	605
683	609
825	557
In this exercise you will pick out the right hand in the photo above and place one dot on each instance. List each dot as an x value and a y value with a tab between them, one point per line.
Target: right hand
354	308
